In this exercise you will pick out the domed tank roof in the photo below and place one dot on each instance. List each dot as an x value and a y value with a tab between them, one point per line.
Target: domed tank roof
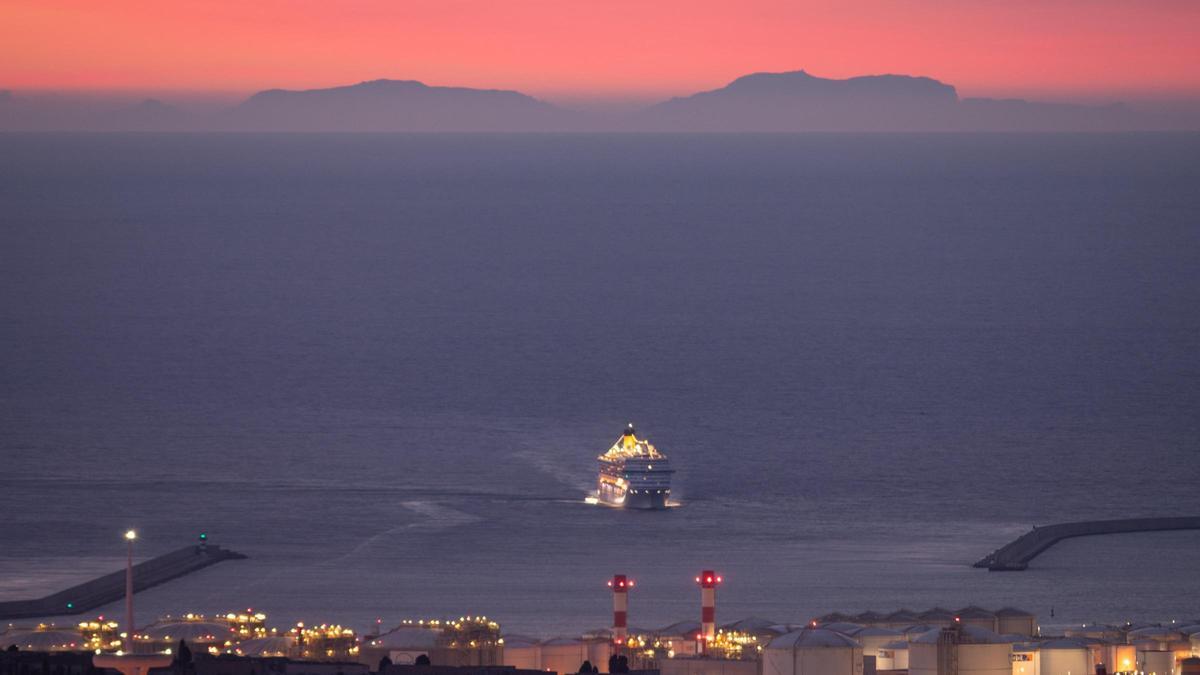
1156	633
561	642
1063	643
752	624
813	638
974	612
274	645
681	628
1013	613
191	631
407	637
48	639
876	631
967	635
843	627
519	641
936	614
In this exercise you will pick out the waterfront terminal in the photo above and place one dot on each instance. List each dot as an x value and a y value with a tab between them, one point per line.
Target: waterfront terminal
935	641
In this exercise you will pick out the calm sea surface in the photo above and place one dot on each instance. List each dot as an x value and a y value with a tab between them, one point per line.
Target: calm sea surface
382	367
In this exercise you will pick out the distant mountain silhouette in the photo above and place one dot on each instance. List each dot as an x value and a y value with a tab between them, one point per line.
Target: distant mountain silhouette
767	102
797	101
395	105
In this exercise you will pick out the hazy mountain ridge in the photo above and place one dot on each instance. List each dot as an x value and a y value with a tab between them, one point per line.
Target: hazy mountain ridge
394	105
793	101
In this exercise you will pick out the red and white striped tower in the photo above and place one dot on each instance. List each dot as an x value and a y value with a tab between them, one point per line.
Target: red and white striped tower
708	580
620	586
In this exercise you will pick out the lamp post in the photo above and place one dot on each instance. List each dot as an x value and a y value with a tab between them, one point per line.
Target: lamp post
129	537
125	660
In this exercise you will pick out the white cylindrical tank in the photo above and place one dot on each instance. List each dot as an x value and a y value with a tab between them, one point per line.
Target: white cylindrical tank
872	638
813	651
1066	656
977	651
892	656
1026	659
1018	621
563	655
521	652
1156	662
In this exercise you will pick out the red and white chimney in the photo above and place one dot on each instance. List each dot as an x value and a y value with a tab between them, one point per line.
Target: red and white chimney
708	580
620	586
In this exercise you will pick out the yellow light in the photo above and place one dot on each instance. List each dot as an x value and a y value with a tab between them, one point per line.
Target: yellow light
131	535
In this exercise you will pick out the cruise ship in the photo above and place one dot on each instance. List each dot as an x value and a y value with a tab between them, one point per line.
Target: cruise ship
634	474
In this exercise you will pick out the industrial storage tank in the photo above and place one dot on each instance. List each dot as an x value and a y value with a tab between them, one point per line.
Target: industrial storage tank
521	653
199	634
843	627
812	651
272	645
1026	659
872	638
1096	631
563	654
1018	621
977	616
937	617
892	656
679	638
1156	662
42	639
899	619
402	645
1065	656
975	651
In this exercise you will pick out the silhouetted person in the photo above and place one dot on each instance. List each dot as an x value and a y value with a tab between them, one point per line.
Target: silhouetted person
612	663
383	663
585	667
422	660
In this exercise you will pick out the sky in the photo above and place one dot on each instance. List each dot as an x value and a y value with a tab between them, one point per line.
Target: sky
601	50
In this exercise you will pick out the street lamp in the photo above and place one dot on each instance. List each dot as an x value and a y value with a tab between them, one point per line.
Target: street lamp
129	537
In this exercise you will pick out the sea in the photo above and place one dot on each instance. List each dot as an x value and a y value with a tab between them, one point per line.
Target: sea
383	366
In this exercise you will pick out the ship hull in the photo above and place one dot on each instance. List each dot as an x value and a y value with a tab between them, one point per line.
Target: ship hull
645	502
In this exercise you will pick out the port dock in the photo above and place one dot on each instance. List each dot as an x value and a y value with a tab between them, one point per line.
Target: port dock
1017	554
111	587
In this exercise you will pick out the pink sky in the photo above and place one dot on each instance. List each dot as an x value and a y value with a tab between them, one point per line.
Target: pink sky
579	49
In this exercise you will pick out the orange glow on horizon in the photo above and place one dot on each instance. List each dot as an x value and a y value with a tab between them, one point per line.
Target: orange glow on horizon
599	48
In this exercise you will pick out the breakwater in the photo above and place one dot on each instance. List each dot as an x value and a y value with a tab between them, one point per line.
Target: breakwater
111	587
1017	554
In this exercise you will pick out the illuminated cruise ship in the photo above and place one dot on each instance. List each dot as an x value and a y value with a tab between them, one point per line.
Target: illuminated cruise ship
634	474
